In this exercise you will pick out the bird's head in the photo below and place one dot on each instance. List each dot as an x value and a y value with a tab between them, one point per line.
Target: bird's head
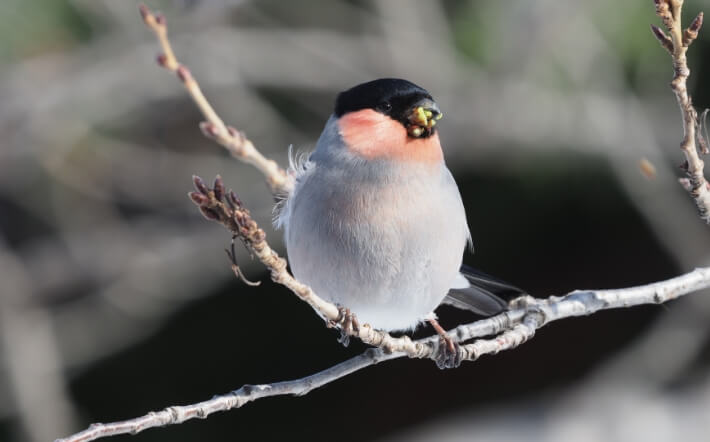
389	118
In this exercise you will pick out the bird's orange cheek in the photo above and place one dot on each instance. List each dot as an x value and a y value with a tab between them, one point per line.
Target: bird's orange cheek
373	135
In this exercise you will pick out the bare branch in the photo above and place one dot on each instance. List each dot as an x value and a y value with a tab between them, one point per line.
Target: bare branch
214	128
517	326
670	12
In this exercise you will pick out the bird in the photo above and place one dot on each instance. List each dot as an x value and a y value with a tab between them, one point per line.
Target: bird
375	221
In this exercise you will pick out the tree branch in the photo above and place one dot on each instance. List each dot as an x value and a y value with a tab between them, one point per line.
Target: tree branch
677	45
214	128
520	324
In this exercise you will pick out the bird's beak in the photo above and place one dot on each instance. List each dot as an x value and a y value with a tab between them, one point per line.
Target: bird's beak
423	117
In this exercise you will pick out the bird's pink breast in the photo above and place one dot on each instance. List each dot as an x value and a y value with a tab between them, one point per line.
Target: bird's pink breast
373	135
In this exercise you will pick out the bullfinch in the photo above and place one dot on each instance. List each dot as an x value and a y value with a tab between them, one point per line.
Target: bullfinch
375	222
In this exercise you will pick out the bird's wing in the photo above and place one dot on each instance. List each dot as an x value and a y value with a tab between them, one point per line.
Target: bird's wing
480	293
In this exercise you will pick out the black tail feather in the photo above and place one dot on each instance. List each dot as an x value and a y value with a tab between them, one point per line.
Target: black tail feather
487	295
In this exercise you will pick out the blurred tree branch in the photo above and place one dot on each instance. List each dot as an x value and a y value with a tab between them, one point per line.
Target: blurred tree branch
214	128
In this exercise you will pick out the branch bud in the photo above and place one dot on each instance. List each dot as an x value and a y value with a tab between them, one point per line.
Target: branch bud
218	188
200	185
208	129
209	213
184	74
662	38
198	198
697	22
664	12
691	33
661	7
234	200
685	182
162	60
235	133
145	13
230	203
259	235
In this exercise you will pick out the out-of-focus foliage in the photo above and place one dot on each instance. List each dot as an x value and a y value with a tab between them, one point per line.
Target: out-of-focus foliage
39	27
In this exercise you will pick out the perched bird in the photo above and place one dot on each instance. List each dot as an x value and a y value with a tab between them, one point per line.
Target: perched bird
375	222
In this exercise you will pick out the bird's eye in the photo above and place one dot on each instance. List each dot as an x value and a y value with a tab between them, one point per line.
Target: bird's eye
384	106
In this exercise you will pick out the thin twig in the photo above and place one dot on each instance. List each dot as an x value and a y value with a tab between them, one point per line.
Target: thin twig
517	326
214	128
232	255
677	46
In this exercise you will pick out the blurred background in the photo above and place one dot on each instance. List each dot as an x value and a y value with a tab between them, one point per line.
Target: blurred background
116	297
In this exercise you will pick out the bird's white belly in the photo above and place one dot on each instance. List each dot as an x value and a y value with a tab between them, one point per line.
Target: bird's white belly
388	253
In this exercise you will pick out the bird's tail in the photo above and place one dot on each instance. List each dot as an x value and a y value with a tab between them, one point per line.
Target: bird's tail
481	293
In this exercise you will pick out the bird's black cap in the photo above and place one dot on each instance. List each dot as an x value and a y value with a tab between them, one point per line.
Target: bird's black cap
391	96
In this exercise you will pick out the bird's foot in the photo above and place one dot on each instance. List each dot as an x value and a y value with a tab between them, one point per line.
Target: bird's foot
347	323
448	354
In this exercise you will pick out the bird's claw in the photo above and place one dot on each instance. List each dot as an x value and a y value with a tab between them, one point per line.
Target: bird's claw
347	323
448	353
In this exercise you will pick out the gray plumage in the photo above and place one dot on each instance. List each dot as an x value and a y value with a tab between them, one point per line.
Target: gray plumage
382	238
